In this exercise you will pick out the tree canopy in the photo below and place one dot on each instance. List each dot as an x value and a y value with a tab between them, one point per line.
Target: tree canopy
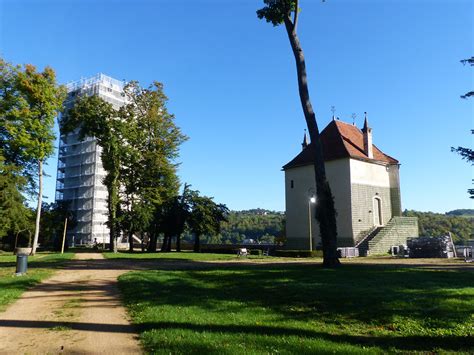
31	101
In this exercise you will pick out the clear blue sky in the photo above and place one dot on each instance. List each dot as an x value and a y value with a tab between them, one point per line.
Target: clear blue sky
232	84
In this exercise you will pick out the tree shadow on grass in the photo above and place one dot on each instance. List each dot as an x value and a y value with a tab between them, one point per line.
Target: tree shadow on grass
369	295
412	343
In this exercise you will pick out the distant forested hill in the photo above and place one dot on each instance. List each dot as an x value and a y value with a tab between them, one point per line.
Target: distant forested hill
258	224
437	224
464	213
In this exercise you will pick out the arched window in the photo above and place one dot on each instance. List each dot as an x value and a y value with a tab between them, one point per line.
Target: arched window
378	211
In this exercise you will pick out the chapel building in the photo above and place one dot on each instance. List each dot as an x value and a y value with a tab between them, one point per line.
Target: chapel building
365	184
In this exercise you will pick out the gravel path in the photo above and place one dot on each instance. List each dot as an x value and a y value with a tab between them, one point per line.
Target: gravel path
77	311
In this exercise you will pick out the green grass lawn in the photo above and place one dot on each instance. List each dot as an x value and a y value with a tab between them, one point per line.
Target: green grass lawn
301	308
40	266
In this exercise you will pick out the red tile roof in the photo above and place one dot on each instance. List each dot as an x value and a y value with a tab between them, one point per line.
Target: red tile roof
340	140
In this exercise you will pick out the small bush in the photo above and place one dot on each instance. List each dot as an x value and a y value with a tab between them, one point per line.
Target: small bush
258	252
299	253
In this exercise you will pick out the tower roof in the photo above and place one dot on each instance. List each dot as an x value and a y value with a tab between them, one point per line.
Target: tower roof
340	140
305	140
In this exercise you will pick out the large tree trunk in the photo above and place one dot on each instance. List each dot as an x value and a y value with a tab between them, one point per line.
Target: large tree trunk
164	246
325	211
197	244
111	221
113	202
152	243
178	243
130	240
38	209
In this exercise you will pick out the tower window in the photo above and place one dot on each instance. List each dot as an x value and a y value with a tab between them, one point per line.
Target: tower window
292	184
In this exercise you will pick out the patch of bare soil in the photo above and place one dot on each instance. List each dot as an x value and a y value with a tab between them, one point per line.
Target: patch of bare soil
77	311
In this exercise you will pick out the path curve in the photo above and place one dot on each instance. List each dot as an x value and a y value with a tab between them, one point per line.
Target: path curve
76	311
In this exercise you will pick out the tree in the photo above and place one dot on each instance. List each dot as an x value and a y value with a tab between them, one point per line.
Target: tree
15	216
33	102
53	217
205	217
151	145
286	12
467	153
469	61
95	117
139	143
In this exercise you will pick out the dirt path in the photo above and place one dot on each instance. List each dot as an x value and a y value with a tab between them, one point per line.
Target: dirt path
77	311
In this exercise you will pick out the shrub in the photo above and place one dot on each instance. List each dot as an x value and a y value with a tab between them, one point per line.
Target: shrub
299	253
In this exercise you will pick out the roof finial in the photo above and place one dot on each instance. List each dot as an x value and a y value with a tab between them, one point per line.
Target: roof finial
354	119
305	140
333	109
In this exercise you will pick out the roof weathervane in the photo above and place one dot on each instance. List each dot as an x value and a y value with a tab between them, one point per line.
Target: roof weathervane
354	115
333	109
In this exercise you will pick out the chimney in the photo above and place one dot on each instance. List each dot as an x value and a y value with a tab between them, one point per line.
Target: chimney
367	131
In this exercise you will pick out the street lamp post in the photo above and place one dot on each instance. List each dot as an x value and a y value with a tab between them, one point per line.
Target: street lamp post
311	200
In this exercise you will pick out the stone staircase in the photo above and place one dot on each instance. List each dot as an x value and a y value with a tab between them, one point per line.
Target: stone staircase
395	232
363	244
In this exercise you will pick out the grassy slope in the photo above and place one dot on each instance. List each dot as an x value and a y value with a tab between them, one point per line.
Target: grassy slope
40	267
301	309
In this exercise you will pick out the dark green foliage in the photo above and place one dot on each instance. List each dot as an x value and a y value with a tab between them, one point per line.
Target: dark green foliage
300	309
140	143
461	212
15	216
436	224
95	117
261	225
29	103
205	217
264	226
276	11
299	253
258	252
53	216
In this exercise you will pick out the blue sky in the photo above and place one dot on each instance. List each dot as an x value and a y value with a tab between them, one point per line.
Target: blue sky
232	85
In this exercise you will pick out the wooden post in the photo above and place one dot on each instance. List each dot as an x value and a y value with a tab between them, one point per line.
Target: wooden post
64	236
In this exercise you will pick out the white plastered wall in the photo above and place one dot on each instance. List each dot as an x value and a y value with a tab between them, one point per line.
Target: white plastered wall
297	197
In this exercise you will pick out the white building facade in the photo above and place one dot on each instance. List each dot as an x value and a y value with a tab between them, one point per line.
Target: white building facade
80	172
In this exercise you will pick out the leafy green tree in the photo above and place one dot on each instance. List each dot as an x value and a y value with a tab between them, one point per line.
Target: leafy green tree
53	216
286	12
172	216
33	102
467	153
205	217
151	143
95	117
140	142
15	216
